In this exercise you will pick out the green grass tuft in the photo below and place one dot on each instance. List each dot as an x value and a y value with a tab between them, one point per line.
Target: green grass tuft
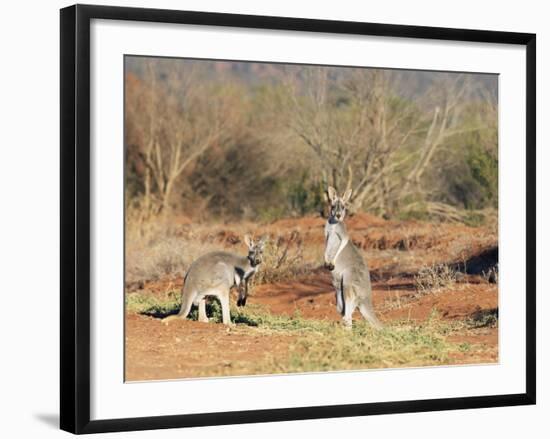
154	306
170	303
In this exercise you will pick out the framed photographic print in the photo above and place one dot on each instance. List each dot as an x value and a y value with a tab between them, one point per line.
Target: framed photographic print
268	218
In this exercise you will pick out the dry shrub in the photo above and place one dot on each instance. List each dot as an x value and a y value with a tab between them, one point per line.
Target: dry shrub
168	257
283	259
434	279
160	247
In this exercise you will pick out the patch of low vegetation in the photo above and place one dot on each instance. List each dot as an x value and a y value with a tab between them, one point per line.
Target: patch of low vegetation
435	278
168	304
258	316
364	347
153	305
323	345
487	318
327	346
283	259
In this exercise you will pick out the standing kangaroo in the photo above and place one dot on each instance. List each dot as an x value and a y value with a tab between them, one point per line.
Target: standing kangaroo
350	273
214	274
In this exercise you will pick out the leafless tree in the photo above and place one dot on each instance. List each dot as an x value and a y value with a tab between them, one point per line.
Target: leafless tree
176	120
444	104
367	137
354	133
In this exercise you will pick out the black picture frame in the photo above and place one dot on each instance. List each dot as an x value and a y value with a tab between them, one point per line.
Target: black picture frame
75	217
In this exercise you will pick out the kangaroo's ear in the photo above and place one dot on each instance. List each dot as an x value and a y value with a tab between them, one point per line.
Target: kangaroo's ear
248	240
262	241
331	193
346	196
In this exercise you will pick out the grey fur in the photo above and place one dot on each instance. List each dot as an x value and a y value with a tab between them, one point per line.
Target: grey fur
350	273
214	274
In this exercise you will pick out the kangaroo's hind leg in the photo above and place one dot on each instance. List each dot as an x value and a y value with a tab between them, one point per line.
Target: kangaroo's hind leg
202	311
224	301
350	303
368	314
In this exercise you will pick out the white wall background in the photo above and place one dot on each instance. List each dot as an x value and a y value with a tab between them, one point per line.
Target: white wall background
29	237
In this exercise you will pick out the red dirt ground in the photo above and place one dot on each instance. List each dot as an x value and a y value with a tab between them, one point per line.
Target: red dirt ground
314	298
394	251
190	348
185	348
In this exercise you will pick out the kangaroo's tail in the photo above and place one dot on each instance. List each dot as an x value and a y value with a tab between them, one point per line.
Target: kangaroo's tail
168	319
184	308
368	313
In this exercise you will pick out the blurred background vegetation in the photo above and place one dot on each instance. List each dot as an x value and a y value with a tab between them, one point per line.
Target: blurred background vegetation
222	141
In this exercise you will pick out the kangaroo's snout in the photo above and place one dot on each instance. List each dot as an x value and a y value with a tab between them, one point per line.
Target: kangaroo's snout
329	266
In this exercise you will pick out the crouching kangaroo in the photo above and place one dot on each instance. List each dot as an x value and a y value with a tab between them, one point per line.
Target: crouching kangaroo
214	274
350	273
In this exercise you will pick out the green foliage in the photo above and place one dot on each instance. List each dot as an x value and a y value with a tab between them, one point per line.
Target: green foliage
484	170
304	195
257	316
474	219
473	182
213	311
470	175
168	304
